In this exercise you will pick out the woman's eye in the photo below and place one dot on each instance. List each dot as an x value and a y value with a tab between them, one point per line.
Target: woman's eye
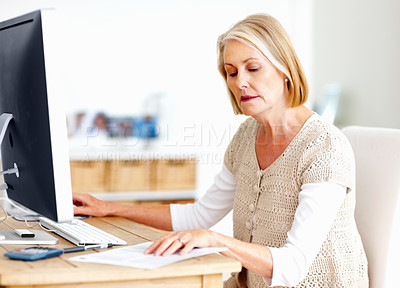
254	69
231	73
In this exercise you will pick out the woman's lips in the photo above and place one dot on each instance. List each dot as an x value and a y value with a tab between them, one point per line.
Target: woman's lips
247	98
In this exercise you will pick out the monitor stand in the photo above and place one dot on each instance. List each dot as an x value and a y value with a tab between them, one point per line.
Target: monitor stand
21	214
5	119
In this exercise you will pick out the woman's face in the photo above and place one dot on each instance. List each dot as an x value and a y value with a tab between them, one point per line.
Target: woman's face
256	84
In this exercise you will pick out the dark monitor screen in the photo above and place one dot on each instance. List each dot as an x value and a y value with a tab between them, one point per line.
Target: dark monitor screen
36	138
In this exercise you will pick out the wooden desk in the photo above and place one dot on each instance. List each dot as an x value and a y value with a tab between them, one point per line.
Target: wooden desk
204	271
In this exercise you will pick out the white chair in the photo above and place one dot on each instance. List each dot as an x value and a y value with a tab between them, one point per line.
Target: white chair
377	155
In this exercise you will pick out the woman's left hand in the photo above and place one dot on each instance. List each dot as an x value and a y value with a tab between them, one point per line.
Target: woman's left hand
187	240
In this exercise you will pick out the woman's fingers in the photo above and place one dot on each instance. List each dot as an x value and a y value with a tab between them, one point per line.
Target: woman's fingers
185	240
78	199
89	205
175	246
82	205
187	248
167	245
157	245
85	210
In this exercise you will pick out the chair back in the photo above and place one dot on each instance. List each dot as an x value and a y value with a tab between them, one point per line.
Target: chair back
377	214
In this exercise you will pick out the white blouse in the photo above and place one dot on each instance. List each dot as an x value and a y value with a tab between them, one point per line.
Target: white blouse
313	219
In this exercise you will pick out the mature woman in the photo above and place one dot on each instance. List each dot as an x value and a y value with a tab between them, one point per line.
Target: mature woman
288	175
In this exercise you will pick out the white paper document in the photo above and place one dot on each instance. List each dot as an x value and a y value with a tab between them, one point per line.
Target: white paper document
133	256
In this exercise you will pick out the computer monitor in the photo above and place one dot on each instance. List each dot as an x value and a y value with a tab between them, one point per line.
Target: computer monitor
36	139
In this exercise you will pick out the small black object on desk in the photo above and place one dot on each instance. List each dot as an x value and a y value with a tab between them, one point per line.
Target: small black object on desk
87	247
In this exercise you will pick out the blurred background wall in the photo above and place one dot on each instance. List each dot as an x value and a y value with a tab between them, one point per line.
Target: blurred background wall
356	43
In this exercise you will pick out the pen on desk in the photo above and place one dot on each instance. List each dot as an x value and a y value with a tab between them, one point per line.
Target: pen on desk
87	247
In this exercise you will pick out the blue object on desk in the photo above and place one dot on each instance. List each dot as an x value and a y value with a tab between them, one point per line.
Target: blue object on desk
38	253
33	253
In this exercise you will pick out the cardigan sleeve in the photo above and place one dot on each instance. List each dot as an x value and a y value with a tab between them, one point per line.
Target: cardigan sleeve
313	219
212	207
328	158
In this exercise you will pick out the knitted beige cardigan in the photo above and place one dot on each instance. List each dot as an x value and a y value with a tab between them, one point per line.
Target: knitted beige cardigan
266	201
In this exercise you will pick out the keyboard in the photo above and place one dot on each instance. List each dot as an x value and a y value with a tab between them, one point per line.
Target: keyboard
80	233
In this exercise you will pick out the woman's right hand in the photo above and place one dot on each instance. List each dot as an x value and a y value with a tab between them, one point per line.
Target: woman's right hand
88	205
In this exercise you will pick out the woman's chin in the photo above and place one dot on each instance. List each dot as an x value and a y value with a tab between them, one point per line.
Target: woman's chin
252	110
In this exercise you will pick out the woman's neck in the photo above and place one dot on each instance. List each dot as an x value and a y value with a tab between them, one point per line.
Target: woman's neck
279	127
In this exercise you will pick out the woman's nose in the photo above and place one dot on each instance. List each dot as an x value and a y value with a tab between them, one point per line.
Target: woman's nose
242	81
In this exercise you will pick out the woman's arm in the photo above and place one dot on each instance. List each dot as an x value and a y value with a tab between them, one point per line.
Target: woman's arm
212	207
157	216
254	257
318	206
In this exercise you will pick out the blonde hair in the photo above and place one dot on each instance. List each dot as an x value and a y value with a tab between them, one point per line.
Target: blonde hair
266	34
